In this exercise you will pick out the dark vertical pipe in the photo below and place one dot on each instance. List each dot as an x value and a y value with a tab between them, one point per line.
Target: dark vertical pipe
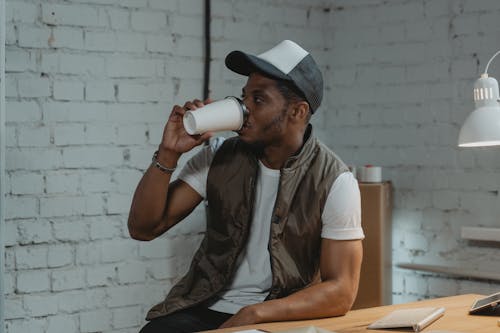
206	76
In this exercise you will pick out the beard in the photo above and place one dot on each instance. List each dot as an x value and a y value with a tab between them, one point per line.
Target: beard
257	147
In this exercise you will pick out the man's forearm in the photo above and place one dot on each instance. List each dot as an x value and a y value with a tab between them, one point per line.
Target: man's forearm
325	299
149	202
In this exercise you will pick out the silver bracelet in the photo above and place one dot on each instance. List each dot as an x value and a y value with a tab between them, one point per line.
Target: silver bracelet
160	166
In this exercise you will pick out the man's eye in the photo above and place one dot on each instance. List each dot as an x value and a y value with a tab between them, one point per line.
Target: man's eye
257	99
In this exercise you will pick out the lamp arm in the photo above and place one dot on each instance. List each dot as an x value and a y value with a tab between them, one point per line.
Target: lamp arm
489	62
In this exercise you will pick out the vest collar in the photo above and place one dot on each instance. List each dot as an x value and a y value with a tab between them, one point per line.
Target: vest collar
308	148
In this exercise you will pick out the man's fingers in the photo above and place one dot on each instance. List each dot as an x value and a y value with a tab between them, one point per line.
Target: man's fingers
200	138
189	106
206	136
177	112
198	103
193	105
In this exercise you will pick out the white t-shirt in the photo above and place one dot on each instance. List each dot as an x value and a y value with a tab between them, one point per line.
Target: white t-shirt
341	220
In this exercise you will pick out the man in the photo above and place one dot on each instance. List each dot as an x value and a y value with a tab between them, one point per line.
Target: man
283	239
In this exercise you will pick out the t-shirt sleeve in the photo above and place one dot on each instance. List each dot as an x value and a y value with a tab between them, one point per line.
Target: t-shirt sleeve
195	171
342	212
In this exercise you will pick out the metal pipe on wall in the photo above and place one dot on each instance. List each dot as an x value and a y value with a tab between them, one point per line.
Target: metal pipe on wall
2	163
208	55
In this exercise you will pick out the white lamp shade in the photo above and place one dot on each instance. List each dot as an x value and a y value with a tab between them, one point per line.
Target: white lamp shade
481	128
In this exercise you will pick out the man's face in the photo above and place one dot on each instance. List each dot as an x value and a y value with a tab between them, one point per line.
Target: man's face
267	112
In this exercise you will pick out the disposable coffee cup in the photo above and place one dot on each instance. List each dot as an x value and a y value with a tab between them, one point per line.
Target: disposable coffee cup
227	114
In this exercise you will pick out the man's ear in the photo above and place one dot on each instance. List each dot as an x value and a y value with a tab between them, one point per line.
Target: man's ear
300	110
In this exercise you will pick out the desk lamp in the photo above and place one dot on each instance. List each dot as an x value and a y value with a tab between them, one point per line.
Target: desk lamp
482	126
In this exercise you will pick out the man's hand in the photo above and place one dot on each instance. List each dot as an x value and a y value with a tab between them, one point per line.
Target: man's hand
176	140
246	316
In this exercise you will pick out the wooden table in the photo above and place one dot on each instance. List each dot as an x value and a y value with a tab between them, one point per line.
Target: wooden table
456	318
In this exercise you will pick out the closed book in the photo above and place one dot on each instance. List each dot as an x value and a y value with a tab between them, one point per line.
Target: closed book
417	319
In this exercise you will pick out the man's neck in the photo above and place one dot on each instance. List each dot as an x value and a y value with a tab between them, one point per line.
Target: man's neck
275	156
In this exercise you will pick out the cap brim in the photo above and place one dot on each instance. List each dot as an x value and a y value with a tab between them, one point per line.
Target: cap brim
245	64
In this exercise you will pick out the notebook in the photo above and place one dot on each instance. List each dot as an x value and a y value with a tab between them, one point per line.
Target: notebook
488	304
417	318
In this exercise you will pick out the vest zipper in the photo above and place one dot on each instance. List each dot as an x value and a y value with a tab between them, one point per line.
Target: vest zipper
269	244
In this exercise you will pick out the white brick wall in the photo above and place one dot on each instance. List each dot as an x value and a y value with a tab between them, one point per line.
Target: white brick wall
407	69
90	84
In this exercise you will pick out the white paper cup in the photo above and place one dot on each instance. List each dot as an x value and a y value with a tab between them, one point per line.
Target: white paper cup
227	114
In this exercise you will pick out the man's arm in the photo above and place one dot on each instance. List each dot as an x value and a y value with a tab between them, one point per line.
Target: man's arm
340	265
158	204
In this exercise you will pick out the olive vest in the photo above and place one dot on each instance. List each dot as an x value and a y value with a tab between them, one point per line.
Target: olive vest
295	235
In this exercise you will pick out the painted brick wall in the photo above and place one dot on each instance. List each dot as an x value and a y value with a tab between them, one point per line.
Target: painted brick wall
90	83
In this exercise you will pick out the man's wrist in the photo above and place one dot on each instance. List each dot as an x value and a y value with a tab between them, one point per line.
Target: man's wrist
165	163
255	313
